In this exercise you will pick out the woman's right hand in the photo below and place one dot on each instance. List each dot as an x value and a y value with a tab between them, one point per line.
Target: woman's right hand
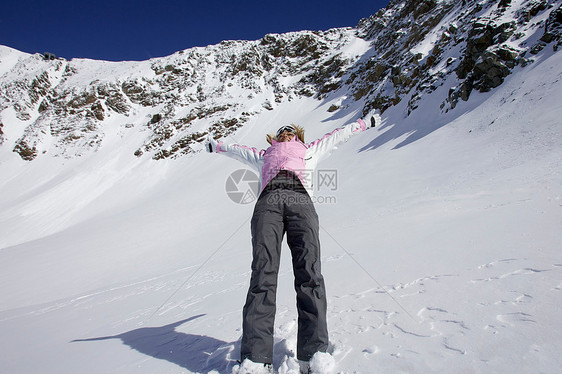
211	144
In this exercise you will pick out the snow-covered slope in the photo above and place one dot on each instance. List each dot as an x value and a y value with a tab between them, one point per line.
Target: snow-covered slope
441	239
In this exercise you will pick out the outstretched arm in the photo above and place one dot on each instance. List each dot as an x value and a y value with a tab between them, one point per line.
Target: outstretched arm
326	143
250	156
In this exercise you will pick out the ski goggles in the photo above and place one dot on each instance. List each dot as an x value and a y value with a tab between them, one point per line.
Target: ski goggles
290	129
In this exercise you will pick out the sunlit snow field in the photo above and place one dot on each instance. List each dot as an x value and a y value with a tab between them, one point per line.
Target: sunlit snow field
442	245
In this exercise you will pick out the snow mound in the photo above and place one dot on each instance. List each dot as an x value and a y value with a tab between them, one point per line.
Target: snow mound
322	363
250	367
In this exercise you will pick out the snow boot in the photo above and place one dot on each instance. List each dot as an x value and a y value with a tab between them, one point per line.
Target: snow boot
304	367
250	367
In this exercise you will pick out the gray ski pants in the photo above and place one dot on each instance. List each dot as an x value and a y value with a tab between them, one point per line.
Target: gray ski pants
277	212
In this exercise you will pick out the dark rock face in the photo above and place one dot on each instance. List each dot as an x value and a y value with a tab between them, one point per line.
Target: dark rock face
486	61
482	35
480	42
553	29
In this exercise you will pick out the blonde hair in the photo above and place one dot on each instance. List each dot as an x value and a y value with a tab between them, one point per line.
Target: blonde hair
300	134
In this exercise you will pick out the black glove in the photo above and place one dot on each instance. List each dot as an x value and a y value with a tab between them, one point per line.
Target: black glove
211	144
375	120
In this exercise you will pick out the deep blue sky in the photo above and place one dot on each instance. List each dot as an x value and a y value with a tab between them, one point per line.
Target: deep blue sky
138	30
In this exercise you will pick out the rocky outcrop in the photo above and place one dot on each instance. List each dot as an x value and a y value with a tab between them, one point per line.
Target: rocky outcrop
189	88
552	31
397	68
493	50
479	42
26	152
1	133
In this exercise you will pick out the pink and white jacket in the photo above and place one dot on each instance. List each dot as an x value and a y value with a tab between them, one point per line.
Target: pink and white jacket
294	155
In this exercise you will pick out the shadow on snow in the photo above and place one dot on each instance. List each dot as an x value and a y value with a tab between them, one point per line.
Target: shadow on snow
195	353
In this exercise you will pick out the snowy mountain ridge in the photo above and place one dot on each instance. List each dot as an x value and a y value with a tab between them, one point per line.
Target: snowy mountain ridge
404	52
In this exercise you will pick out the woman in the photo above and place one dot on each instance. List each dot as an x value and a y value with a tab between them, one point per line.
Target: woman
285	206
